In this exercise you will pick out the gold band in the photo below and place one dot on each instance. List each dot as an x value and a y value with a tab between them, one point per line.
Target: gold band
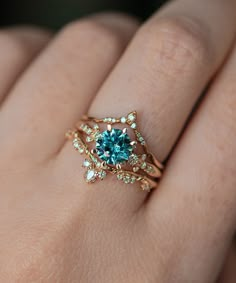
137	165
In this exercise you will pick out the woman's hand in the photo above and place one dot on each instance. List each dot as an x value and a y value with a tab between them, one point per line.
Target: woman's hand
53	227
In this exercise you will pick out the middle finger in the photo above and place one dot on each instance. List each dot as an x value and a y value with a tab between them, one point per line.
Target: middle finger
59	86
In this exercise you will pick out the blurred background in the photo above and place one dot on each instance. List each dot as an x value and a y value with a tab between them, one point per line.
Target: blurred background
56	13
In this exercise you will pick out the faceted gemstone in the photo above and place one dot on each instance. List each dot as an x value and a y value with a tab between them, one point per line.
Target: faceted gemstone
114	146
102	174
135	169
123	120
76	144
120	176
131	117
86	163
143	165
127	179
133	126
96	127
133	159
133	179
88	139
150	169
145	185
144	156
90	175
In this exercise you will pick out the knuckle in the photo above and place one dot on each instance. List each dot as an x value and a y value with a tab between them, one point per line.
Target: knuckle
121	21
11	44
180	42
23	41
32	31
93	33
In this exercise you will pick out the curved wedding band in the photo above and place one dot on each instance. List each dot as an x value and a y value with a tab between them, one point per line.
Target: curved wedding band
113	150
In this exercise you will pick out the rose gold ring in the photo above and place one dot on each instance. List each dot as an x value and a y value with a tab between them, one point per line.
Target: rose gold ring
115	146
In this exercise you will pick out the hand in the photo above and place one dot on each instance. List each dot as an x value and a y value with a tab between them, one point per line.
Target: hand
55	229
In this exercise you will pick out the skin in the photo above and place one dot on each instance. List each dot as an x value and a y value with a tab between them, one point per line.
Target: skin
53	227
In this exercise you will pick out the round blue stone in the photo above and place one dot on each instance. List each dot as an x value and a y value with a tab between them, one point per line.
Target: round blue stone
114	146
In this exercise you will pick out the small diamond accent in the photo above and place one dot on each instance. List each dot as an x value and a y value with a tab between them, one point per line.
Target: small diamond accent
143	165
98	164
89	139
76	144
91	175
145	185
89	131
120	176
144	156
135	169
133	179
102	174
133	159
127	179
150	169
123	120
131	117
86	163
133	126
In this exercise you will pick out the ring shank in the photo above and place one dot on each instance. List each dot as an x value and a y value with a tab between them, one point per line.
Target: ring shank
142	167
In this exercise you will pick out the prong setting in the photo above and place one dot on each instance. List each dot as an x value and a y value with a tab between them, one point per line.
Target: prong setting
118	166
93	151
133	143
104	165
125	131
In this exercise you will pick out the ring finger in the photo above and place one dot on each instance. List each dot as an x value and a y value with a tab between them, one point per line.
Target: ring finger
164	71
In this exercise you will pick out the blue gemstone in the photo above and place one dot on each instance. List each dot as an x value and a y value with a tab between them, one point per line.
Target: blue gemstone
114	146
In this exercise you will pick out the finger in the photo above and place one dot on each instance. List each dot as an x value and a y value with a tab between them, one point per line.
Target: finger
163	72
167	67
19	45
199	185
58	87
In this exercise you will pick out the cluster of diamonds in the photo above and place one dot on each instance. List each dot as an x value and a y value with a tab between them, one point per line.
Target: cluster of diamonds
114	151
